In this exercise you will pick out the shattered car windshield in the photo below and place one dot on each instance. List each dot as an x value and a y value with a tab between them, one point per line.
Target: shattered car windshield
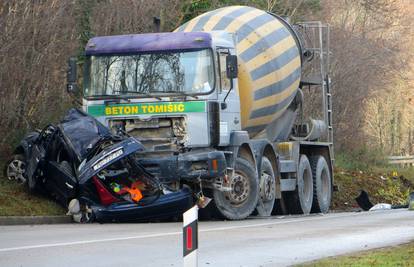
190	72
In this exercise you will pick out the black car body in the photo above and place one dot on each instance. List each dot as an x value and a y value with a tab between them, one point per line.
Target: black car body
95	173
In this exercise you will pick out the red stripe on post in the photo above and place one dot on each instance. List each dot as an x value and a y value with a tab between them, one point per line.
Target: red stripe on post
189	238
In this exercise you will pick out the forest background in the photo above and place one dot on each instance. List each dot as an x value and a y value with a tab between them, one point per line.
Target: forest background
372	67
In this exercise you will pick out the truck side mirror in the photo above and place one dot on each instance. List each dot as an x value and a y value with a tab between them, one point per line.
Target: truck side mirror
231	66
71	76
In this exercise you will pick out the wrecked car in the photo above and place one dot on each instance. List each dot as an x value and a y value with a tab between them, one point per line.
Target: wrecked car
94	173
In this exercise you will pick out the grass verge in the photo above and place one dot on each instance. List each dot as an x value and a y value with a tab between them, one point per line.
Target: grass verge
392	256
384	184
379	182
381	187
15	200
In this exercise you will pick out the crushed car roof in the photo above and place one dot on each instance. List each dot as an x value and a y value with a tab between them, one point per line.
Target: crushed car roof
82	132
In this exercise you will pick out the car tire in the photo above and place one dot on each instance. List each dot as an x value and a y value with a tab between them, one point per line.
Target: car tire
15	169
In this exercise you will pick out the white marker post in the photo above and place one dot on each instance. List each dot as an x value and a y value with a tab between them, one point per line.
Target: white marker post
190	237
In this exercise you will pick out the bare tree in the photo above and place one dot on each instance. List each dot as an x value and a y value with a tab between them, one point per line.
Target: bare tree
369	58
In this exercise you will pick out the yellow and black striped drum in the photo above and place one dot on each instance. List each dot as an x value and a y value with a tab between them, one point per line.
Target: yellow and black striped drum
269	61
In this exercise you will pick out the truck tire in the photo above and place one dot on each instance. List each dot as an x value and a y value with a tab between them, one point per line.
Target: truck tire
300	200
267	188
322	184
241	201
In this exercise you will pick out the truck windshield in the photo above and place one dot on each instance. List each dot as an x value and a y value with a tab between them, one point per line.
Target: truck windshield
189	72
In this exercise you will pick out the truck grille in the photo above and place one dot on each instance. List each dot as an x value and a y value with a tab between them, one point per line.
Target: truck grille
156	134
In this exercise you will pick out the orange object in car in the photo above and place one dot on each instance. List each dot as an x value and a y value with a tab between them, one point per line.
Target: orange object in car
134	191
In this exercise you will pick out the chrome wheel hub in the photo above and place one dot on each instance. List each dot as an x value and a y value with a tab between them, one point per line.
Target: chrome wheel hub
16	170
267	187
239	185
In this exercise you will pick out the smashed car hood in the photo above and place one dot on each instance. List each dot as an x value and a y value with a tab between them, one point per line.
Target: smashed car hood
107	157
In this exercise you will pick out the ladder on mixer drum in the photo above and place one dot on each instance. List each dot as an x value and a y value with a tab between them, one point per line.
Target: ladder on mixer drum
327	90
315	40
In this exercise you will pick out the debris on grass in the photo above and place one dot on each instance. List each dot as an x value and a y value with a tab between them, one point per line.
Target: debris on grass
380	186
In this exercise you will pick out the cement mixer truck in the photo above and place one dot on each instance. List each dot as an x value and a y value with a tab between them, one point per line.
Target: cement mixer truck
219	105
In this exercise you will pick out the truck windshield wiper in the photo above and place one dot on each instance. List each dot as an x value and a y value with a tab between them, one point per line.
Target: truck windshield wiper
176	92
142	94
168	91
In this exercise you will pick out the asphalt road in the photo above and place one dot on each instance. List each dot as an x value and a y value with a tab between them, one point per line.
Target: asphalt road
278	241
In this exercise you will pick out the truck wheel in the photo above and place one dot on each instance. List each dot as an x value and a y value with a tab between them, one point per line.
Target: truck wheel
322	184
300	201
241	200
267	189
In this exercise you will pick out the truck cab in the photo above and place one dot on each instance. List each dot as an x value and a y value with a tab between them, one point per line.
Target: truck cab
174	92
134	80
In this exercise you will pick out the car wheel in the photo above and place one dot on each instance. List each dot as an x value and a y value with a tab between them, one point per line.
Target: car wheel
87	214
81	213
16	169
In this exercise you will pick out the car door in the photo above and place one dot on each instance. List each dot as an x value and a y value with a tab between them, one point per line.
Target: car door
61	181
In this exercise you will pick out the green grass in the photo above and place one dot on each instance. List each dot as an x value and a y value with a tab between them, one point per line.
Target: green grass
381	186
370	162
357	172
15	200
362	159
393	256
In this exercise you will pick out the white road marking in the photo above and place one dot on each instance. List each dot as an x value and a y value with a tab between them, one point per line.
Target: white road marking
89	241
82	242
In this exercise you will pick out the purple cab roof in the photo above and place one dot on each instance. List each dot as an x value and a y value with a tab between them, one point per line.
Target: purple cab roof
148	42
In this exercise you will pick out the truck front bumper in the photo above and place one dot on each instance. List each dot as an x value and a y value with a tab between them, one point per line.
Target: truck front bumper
186	166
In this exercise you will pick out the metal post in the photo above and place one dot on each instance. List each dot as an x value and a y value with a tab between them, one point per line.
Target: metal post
190	237
157	24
